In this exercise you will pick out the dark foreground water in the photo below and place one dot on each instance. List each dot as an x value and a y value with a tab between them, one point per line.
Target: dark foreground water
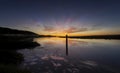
82	56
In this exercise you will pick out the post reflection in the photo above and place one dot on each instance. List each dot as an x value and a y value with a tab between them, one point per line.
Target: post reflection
66	45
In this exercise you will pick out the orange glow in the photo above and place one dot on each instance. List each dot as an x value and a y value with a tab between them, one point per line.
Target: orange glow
59	34
83	33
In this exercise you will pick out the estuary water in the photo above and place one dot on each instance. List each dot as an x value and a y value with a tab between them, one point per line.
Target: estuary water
80	56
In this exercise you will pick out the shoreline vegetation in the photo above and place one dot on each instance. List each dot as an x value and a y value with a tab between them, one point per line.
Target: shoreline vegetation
12	40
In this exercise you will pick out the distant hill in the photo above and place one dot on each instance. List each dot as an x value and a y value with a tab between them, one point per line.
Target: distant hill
112	36
14	32
115	36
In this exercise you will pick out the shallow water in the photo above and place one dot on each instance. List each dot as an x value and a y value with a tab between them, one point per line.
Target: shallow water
82	56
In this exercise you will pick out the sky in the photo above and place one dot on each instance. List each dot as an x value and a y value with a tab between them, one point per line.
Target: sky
60	17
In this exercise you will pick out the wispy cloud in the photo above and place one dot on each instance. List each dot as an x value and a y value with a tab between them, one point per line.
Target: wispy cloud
49	28
75	29
69	29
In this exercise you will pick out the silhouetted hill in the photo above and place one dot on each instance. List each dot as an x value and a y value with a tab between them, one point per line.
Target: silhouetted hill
14	32
16	38
12	40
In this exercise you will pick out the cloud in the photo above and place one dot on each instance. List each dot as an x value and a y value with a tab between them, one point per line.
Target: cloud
49	28
70	29
75	29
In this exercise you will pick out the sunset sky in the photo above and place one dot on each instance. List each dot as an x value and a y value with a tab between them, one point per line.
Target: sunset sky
58	17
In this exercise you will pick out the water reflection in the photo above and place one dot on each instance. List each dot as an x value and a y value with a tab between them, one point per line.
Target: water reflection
66	44
85	56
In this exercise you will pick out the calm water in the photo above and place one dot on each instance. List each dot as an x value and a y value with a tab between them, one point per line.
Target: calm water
82	56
